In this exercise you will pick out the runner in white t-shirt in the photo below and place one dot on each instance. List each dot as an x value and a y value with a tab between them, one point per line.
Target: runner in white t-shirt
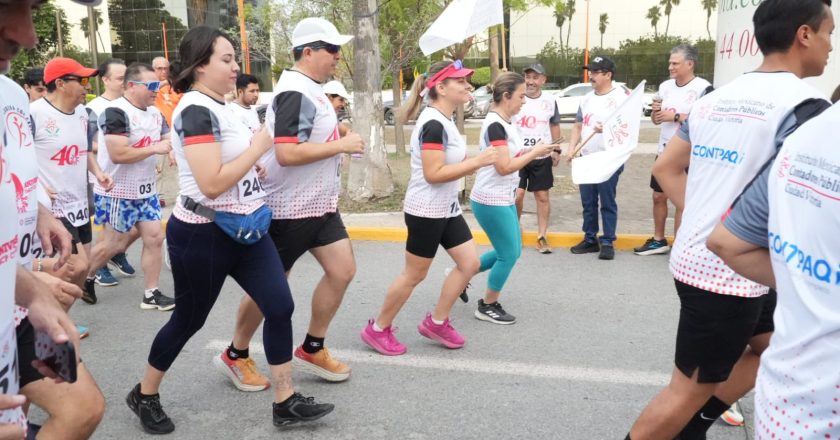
112	73
676	96
725	319
133	132
303	183
17	284
493	196
432	211
217	157
247	95
595	107
538	122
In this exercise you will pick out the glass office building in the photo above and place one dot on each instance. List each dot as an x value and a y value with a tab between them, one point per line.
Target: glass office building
137	28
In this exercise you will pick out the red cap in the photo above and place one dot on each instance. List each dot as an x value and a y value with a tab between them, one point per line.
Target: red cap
454	70
58	67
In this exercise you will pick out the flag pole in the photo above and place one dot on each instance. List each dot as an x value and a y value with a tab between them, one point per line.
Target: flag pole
243	37
165	47
583	144
586	52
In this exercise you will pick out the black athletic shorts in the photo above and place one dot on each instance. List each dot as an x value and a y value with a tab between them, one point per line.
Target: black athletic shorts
537	175
26	353
425	234
81	234
294	237
714	330
654	185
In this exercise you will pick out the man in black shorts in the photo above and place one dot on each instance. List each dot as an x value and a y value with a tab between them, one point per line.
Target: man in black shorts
538	122
726	319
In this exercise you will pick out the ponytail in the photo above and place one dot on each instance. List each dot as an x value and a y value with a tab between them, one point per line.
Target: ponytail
410	108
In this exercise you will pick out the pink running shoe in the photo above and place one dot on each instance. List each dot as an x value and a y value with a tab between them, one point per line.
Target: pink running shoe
444	333
384	342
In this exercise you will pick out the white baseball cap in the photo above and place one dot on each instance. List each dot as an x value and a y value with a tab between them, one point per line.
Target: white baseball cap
336	88
312	29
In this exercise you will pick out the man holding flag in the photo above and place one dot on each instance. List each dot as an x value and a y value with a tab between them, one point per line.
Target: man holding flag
595	108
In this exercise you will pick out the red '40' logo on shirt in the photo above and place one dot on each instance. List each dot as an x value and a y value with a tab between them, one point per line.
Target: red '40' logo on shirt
143	143
69	155
528	122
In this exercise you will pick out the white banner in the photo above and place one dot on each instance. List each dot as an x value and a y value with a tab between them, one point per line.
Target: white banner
737	52
621	137
459	21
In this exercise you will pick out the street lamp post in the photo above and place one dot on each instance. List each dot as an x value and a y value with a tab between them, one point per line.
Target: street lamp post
586	51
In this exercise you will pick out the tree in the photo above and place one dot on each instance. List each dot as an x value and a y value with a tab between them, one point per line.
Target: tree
370	176
84	24
47	32
669	7
709	6
653	15
560	18
604	20
570	12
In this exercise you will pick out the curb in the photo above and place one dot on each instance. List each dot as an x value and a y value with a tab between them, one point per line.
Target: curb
623	242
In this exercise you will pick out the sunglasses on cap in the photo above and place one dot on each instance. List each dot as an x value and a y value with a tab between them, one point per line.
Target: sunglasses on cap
454	70
83	81
331	48
152	86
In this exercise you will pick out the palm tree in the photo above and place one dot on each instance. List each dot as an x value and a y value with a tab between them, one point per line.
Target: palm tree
709	6
602	26
570	11
653	15
560	17
669	6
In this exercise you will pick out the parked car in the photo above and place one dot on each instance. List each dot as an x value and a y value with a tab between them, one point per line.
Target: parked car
482	99
568	99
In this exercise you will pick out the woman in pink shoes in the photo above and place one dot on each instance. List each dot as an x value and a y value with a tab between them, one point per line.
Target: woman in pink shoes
432	212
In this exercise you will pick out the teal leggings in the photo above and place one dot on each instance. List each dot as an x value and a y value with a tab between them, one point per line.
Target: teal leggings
502	227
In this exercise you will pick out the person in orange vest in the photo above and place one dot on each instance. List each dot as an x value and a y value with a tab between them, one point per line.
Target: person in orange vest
166	101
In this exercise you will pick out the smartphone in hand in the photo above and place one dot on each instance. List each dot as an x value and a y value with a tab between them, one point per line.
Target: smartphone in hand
61	358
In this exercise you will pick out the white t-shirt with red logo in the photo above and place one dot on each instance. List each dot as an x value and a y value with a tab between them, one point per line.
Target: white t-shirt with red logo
17	192
301	113
595	109
732	135
61	143
200	119
535	118
676	98
247	116
798	384
490	187
434	131
142	127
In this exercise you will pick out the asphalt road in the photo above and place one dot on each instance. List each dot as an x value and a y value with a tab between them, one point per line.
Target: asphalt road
594	343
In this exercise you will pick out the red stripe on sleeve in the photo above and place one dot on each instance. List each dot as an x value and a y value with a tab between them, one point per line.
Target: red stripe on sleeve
286	140
726	214
428	146
201	139
499	143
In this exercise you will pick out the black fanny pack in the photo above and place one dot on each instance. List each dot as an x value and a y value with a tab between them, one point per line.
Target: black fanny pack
243	228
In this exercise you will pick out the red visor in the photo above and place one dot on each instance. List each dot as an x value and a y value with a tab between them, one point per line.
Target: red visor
454	70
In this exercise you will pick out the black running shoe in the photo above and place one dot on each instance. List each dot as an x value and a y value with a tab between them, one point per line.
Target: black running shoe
607	252
89	293
152	417
158	301
585	247
464	297
299	409
493	313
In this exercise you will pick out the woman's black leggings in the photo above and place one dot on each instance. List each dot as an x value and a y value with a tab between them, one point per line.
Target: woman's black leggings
202	257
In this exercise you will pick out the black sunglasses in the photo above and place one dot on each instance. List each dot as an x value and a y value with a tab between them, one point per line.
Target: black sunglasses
331	48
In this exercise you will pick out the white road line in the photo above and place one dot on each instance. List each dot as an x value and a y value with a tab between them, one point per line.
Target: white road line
560	372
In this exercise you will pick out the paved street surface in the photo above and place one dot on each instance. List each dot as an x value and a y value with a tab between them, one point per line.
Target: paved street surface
593	344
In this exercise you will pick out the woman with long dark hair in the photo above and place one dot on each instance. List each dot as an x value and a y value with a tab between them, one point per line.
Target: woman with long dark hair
218	229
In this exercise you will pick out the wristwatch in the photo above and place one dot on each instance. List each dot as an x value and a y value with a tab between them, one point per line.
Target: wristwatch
676	117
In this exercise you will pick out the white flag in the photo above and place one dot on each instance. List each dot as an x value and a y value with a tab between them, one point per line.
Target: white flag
621	137
459	21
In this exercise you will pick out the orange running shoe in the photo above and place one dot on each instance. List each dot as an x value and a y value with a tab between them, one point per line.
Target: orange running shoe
242	372
321	364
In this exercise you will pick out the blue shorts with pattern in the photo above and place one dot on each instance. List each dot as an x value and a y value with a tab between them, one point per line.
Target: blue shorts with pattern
123	214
